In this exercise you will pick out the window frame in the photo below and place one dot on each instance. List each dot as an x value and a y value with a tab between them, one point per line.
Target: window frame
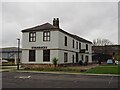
65	40
87	47
46	54
79	46
32	55
76	44
73	43
65	57
46	35
32	36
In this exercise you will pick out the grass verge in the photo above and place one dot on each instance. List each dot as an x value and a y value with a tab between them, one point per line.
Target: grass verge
106	69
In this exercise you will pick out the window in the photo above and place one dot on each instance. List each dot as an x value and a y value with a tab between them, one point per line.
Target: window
32	36
82	58
65	57
79	46
73	58
46	55
65	41
86	58
46	36
31	55
76	57
73	43
76	45
87	47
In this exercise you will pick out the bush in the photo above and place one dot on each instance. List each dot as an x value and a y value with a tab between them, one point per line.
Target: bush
55	61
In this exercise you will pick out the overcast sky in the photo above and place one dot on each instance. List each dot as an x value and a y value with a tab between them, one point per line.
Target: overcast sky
89	20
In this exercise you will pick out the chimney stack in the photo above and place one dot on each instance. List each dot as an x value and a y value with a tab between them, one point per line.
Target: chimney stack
56	22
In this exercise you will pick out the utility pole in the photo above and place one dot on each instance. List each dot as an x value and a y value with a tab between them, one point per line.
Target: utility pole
18	60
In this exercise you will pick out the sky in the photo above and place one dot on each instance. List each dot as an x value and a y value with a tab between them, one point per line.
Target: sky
90	20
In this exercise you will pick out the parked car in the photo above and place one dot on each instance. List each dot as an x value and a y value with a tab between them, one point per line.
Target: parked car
109	61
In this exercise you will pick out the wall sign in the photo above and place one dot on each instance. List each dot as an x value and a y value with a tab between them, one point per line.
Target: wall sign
42	47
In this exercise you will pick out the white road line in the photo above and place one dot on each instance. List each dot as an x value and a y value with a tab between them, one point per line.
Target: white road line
110	81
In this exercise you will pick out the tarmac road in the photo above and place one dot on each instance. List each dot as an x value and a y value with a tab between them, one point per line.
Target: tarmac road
44	80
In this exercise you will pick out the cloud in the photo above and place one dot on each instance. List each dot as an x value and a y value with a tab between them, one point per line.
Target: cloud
87	19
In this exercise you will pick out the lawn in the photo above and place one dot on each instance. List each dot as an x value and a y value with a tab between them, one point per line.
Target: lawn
106	69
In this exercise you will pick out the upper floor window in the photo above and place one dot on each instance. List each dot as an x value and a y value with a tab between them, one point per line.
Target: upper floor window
32	36
65	41
87	47
76	45
46	36
79	46
73	43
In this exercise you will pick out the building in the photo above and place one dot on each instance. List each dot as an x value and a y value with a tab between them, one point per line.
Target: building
40	44
105	52
10	53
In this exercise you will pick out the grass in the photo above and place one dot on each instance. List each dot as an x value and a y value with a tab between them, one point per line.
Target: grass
106	69
103	69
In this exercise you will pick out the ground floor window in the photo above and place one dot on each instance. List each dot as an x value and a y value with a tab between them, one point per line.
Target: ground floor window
82	57
86	58
73	58
76	57
46	55
65	57
31	55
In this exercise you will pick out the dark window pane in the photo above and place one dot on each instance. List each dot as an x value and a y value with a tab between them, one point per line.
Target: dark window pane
32	36
73	43
31	55
46	55
65	41
65	57
87	47
46	36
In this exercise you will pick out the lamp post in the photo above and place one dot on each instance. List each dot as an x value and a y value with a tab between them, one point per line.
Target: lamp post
18	60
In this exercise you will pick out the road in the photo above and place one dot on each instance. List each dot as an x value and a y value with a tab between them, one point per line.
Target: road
42	80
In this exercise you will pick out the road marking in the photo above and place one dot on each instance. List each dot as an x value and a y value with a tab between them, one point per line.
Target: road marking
110	81
24	77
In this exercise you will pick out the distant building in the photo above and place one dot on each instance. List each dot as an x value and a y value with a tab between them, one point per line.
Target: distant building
42	43
10	53
105	52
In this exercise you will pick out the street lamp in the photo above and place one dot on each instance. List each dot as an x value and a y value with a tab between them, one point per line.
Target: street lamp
18	60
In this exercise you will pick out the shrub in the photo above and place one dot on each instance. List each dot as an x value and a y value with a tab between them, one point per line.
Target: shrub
55	61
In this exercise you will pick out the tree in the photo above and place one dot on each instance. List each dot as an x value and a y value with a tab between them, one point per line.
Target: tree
101	42
117	56
55	61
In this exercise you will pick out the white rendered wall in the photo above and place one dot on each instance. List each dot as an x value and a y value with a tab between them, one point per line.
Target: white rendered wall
53	43
56	42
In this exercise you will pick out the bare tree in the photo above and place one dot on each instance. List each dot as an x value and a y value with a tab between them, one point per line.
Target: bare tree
101	42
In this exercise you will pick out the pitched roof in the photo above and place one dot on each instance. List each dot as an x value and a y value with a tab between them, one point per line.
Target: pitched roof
40	27
49	26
